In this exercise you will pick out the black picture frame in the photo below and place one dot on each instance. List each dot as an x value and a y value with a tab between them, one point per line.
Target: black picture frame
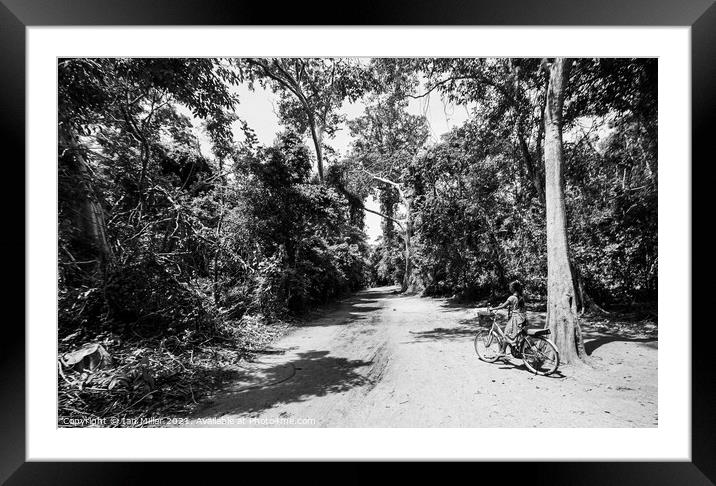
15	15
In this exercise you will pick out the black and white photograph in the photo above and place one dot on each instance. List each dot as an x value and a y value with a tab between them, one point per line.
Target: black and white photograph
357	242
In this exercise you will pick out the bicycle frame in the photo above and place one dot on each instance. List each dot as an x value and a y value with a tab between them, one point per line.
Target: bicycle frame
495	327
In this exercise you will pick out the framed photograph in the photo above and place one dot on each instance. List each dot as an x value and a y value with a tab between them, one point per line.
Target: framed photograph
431	233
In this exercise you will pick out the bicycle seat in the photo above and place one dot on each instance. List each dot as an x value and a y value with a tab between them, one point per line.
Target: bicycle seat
537	332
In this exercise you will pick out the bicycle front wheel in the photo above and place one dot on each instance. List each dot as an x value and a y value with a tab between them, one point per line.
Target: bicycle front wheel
540	355
487	346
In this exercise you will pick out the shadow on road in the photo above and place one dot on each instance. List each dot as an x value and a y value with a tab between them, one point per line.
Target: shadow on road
312	374
518	364
444	333
380	292
360	313
465	328
593	344
356	308
626	328
451	306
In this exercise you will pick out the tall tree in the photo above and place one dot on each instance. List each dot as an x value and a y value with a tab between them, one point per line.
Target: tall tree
388	139
218	127
82	202
81	94
561	296
312	91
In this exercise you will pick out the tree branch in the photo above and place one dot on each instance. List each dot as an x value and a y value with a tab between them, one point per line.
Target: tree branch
399	222
386	181
438	84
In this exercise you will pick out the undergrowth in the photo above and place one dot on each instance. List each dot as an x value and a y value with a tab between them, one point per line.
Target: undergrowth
157	377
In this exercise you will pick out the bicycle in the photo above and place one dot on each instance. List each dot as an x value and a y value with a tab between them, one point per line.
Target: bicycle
538	353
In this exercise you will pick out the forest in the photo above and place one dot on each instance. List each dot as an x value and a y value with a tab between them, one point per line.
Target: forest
175	259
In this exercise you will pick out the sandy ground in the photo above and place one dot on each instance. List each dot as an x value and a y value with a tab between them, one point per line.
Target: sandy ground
380	359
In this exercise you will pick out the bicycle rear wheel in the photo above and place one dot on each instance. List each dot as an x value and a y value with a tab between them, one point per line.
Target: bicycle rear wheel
487	345
540	355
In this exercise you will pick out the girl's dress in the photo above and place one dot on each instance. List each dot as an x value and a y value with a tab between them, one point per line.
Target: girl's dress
516	315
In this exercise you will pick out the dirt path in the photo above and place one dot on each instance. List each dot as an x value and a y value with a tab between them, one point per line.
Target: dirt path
385	360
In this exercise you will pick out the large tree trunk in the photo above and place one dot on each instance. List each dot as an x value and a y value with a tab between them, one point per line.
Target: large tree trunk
317	136
561	296
533	172
89	240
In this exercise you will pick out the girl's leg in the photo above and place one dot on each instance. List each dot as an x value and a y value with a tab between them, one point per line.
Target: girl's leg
507	339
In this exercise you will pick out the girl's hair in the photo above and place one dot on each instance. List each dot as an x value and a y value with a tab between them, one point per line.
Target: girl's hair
516	286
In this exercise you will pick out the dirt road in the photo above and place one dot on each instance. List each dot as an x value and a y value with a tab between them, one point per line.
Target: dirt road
381	359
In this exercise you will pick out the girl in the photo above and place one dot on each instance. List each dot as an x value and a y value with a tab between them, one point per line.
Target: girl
516	313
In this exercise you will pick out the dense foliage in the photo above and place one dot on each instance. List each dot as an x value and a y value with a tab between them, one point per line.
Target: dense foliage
162	238
154	234
476	198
